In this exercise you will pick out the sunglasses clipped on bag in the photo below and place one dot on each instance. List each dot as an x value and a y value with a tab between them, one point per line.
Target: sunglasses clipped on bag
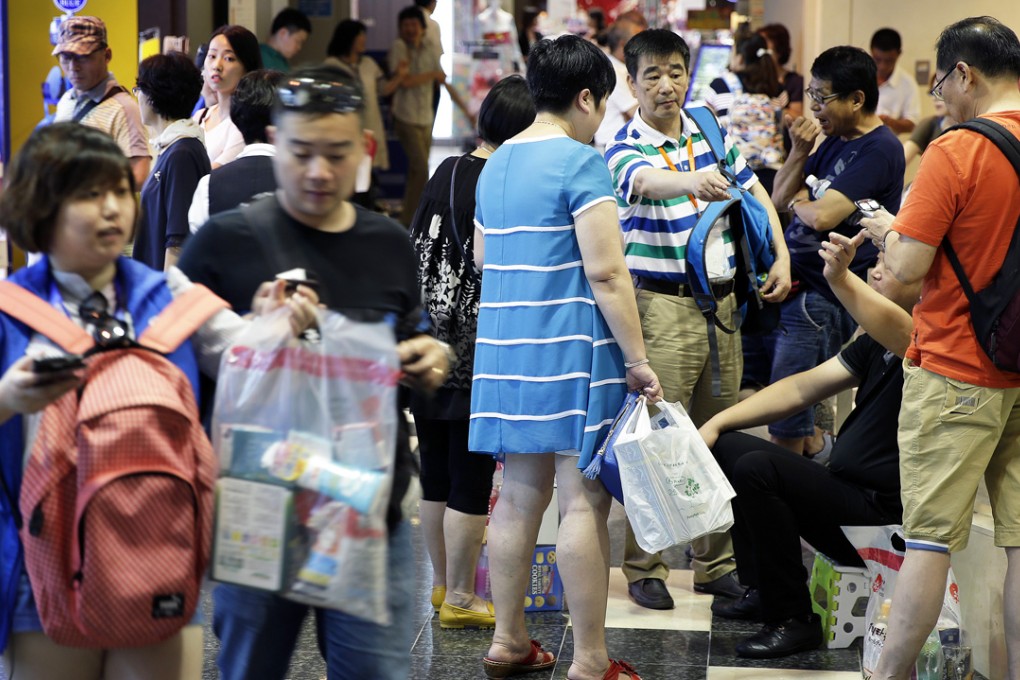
108	331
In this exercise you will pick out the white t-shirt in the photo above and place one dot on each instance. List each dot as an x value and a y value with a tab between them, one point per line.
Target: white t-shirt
897	97
619	107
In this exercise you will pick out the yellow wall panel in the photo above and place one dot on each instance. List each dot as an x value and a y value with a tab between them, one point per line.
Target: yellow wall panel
29	53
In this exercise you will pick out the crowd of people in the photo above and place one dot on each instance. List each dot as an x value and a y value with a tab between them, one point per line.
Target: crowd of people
533	282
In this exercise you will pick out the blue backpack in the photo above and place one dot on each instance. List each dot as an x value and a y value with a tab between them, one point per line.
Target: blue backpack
752	239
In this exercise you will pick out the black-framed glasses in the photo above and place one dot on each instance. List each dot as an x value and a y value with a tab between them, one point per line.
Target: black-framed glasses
108	331
936	91
320	96
136	91
819	98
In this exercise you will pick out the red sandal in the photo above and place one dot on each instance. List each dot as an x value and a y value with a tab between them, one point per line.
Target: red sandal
537	660
616	667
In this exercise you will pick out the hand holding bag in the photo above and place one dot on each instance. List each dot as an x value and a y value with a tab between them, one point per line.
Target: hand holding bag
674	488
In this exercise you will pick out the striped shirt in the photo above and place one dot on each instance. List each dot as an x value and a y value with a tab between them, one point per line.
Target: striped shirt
655	231
118	116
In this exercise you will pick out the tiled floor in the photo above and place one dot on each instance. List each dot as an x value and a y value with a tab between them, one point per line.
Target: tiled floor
682	644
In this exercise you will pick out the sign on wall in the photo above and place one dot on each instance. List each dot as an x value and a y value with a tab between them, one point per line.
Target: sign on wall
70	6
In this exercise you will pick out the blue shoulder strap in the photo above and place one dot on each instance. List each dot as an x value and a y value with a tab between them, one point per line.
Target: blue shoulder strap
709	126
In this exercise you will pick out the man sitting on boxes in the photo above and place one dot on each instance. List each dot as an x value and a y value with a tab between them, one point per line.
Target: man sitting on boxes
781	496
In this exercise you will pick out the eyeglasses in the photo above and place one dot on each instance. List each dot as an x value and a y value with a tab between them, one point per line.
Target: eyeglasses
136	91
320	96
819	98
936	91
68	58
108	331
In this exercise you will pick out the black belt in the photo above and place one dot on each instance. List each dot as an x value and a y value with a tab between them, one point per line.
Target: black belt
719	290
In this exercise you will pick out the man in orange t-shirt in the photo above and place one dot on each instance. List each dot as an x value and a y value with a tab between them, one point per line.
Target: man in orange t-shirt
960	416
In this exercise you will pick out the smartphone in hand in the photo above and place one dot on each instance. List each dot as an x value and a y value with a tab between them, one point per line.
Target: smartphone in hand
58	364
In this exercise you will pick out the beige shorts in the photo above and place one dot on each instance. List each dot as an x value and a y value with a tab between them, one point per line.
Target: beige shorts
950	434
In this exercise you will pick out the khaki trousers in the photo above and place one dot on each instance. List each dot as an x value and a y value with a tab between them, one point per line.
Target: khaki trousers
417	143
675	334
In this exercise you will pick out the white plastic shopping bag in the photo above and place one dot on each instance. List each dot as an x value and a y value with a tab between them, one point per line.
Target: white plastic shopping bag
675	490
306	430
882	549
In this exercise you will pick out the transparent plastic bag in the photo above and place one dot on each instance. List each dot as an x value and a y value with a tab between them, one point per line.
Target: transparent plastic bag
306	434
674	489
882	549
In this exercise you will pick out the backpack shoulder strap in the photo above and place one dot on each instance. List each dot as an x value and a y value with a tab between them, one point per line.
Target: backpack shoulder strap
40	316
1010	148
709	126
181	318
998	135
85	110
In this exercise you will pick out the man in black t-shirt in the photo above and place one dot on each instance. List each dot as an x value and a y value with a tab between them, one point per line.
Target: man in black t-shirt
366	270
782	496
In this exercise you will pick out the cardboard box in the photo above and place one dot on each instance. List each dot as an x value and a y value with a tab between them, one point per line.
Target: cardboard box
254	534
545	589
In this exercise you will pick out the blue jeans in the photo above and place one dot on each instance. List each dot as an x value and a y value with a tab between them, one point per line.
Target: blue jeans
811	331
258	630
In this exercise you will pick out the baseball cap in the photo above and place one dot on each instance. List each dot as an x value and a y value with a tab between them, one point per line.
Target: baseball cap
81	35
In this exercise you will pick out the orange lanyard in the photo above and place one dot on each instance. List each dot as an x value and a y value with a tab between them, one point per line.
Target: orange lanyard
690	159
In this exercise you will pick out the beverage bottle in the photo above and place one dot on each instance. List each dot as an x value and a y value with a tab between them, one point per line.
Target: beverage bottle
929	661
875	639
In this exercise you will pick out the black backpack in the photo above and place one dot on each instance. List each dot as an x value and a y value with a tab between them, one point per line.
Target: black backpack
995	310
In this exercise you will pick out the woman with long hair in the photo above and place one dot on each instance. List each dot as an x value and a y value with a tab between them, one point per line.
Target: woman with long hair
749	101
233	51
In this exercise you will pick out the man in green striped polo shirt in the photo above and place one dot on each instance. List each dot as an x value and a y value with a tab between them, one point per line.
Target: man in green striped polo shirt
664	174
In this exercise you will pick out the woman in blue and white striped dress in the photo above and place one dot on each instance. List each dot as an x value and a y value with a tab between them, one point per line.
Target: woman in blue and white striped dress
559	344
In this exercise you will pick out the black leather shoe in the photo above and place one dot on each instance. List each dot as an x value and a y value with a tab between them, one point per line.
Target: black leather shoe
774	640
747	608
726	585
650	593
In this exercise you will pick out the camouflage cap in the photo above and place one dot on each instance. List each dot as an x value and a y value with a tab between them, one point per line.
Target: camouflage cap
81	35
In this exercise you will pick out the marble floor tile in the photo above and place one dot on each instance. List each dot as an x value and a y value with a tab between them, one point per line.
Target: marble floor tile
723	653
717	673
692	612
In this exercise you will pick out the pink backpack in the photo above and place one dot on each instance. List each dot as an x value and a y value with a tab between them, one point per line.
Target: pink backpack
117	496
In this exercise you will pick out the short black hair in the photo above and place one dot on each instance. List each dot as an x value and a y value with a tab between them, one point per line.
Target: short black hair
244	44
293	20
982	42
171	83
317	105
849	69
887	40
559	69
412	12
656	43
56	164
779	36
344	35
423	3
251	106
506	110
